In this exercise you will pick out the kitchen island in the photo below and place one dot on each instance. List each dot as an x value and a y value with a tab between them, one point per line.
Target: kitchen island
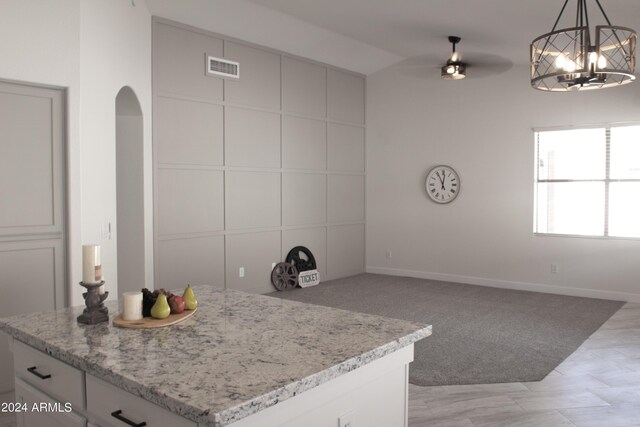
241	360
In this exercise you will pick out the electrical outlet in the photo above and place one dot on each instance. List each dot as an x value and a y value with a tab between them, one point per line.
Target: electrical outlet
554	268
241	272
346	420
388	254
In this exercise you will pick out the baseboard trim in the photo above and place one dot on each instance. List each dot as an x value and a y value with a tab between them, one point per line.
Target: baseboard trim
507	284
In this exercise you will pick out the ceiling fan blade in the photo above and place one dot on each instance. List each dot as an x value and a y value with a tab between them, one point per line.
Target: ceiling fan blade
481	65
478	65
423	67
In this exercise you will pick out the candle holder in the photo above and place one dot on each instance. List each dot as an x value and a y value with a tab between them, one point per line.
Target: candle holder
96	312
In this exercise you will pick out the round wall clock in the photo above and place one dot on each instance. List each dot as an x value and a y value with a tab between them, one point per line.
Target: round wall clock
443	184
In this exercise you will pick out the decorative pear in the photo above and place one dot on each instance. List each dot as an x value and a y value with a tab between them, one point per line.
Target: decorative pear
190	301
161	309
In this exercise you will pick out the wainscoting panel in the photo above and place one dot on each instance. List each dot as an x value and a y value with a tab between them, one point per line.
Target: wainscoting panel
304	143
189	132
179	62
191	201
345	97
257	145
190	261
304	199
255	253
259	82
246	169
252	199
345	198
345	250
345	150
304	88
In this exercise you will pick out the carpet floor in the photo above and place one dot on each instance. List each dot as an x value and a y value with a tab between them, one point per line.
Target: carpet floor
480	335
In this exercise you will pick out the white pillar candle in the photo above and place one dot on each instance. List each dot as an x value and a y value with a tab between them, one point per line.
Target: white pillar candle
132	306
91	264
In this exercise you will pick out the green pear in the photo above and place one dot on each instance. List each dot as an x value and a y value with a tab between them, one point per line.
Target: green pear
161	309
190	301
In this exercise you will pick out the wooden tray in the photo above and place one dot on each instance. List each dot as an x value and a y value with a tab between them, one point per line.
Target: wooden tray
150	322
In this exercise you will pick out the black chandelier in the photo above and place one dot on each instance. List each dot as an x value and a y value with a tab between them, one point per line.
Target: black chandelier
566	59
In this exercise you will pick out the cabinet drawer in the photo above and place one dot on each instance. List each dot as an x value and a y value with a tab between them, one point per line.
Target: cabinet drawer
104	399
57	379
51	413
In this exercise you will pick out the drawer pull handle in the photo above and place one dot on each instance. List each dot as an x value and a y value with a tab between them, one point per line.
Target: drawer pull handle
38	374
127	421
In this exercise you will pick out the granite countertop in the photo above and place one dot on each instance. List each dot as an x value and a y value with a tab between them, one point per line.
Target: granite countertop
238	354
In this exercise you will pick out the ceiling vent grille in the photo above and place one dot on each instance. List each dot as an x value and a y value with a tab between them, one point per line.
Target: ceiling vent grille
222	67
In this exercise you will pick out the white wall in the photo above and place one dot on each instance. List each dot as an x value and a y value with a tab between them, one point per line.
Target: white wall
483	128
92	48
115	51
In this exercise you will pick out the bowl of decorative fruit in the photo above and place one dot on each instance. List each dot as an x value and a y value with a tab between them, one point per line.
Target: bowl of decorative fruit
162	308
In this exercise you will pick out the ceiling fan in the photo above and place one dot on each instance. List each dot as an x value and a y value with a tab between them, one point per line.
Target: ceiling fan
475	64
454	69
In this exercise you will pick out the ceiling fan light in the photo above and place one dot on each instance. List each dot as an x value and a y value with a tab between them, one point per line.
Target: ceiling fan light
453	71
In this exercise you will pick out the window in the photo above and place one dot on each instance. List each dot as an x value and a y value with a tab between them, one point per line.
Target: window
588	182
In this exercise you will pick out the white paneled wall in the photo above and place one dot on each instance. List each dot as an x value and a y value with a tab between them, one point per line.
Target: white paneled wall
247	169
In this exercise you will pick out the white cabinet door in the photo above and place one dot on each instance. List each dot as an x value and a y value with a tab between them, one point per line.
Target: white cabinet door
41	410
49	375
111	406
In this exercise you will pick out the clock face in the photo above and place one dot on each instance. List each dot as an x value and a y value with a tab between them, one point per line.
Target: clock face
443	184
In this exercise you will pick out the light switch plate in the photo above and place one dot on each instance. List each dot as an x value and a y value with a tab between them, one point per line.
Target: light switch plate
105	231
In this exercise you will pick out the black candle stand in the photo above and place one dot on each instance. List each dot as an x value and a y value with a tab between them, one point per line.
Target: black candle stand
96	312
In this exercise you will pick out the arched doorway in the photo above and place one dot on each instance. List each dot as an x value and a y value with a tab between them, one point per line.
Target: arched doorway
129	192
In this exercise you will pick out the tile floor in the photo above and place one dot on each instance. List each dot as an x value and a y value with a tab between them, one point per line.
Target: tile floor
597	386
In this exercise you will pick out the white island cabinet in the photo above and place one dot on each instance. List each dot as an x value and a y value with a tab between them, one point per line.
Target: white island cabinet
242	360
51	392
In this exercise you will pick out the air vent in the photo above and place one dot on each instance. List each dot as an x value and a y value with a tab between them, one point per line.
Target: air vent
222	67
